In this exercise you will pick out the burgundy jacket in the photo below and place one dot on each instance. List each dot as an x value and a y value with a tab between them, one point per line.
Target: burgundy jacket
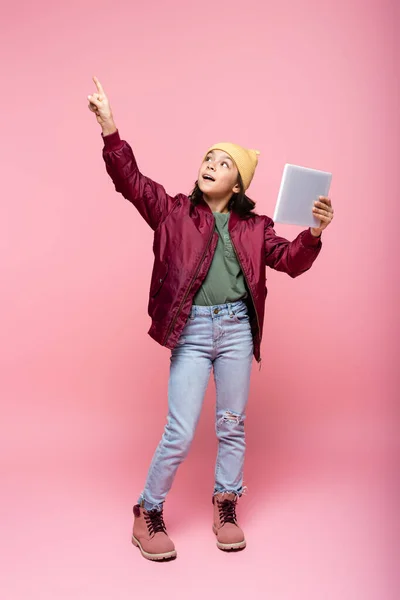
184	244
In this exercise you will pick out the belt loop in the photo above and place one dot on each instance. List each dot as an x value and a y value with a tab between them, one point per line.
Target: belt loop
230	310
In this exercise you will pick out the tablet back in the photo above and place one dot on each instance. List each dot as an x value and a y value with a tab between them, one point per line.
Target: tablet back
300	187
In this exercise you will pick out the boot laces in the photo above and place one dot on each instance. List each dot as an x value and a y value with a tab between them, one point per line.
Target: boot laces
227	511
155	521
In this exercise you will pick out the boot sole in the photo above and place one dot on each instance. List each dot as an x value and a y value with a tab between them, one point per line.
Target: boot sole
156	557
230	547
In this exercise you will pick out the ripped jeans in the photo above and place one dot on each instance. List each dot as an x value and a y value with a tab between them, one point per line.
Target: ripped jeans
219	337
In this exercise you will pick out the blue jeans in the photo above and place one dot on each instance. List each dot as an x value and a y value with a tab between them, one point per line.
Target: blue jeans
214	336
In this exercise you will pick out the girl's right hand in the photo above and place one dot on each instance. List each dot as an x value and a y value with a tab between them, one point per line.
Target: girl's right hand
100	105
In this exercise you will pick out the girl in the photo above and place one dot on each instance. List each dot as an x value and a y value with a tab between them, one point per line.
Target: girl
206	304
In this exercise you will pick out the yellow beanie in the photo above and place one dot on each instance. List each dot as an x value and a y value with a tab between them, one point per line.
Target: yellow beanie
245	160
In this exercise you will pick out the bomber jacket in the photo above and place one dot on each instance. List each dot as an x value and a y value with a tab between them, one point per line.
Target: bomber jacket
185	241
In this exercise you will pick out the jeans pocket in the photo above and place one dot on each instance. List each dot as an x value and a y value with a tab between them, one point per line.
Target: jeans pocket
241	316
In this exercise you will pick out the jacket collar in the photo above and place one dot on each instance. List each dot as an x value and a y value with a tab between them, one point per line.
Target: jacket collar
233	219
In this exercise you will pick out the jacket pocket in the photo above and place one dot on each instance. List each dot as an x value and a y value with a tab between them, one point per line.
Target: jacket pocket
158	279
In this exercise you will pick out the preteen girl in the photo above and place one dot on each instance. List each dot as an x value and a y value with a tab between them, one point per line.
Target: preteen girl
206	304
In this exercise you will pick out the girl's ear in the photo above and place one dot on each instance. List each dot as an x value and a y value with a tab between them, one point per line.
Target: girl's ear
236	188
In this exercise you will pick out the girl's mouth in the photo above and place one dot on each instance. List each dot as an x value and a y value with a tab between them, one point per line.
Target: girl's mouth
208	177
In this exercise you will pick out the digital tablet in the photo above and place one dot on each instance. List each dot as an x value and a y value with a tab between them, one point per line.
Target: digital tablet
300	188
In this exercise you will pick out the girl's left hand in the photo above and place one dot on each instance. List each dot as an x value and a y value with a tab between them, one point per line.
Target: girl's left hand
324	212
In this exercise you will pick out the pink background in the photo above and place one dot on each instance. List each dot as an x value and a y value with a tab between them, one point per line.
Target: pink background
83	387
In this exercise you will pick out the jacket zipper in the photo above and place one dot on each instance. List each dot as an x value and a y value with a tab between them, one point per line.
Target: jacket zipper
251	293
170	328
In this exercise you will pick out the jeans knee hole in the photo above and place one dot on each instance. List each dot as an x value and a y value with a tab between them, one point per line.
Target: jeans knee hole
231	417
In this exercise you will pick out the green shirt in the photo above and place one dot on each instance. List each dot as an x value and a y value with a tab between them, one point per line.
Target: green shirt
224	281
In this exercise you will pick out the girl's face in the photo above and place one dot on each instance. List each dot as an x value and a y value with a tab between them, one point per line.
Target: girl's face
218	175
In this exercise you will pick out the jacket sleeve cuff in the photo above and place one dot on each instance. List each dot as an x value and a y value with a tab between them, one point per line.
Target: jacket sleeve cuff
112	141
309	239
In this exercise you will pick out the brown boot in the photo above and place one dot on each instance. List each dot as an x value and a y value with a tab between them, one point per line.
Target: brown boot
229	535
150	535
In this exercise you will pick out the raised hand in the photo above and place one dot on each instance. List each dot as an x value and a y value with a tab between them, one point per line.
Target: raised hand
100	106
323	210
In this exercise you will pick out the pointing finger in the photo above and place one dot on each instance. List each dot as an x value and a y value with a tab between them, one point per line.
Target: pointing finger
98	85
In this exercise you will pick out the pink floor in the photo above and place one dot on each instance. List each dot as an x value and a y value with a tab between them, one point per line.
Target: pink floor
316	529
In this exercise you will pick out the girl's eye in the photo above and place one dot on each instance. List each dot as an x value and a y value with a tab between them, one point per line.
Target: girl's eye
225	164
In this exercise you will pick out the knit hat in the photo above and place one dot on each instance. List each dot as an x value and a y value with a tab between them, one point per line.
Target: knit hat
245	160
